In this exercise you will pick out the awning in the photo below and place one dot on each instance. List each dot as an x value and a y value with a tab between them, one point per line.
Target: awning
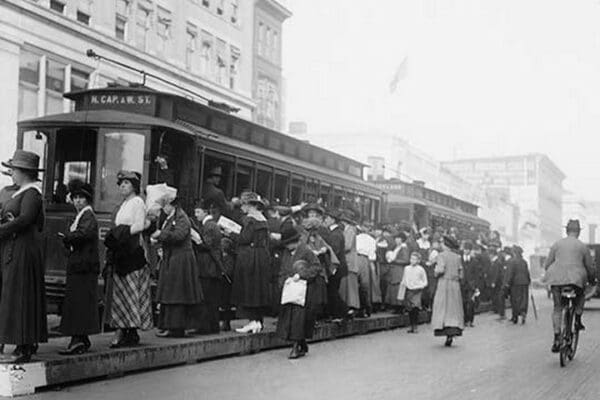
400	199
101	118
445	212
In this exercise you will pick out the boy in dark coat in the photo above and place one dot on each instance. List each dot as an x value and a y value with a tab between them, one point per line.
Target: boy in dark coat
517	281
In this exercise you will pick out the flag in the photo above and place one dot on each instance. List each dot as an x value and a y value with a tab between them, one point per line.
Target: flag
400	74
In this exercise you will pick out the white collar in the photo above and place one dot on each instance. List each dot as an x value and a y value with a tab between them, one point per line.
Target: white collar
73	226
332	227
30	185
207	218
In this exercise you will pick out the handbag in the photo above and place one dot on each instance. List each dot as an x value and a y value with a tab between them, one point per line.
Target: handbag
294	292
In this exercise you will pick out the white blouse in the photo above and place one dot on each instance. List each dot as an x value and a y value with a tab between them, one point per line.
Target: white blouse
133	213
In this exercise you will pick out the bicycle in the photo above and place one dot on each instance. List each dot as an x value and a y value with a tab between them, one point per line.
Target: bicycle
569	333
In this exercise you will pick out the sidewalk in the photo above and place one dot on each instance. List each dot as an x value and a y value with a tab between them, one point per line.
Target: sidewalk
49	368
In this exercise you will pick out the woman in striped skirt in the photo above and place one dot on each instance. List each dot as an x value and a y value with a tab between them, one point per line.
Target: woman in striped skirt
131	307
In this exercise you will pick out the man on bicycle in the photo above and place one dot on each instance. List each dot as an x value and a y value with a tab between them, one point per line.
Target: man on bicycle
568	264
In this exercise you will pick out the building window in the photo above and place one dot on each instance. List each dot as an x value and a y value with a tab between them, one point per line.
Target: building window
57	6
261	38
29	80
142	25
220	7
83	17
234	67
163	30
268	43
206	3
190	50
235	6
121	18
275	48
79	80
221	62
267	98
206	54
55	87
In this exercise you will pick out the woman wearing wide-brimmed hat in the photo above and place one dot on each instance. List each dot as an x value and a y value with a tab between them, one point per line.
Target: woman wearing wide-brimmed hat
80	307
130	306
179	291
251	291
447	318
296	322
23	299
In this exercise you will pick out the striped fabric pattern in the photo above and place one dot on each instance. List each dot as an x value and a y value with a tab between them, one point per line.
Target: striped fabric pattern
131	305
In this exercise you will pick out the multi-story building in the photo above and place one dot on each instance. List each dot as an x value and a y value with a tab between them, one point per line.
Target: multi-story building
203	45
267	88
531	181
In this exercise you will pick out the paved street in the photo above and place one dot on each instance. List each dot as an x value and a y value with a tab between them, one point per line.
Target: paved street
494	360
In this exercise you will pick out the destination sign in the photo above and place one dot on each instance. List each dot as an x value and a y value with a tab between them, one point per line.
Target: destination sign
122	100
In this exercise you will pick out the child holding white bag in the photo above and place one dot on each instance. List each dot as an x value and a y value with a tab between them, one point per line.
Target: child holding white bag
300	269
413	282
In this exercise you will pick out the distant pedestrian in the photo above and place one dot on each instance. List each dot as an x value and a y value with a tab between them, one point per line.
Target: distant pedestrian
517	282
414	281
397	259
447	318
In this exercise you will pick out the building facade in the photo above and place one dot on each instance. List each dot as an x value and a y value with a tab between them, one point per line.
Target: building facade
205	46
533	182
267	87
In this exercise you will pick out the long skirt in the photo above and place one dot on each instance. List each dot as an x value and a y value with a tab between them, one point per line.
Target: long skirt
180	316
23	300
349	290
447	318
131	302
209	314
336	307
80	314
393	286
368	282
316	297
519	300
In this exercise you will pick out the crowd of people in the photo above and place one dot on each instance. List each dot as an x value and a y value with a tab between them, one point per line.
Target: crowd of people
240	259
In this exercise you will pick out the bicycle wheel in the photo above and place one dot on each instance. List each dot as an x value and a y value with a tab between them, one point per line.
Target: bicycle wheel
565	345
574	343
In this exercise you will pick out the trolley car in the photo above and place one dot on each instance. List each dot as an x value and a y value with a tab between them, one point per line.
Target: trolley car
127	127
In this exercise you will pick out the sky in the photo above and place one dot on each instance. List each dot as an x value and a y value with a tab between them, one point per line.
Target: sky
483	78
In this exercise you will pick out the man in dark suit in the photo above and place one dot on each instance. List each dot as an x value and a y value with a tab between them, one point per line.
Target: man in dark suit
496	279
472	284
211	193
335	239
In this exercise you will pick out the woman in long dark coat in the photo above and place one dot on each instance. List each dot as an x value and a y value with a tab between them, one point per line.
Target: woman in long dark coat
179	292
23	299
517	280
296	323
397	260
80	308
251	291
206	237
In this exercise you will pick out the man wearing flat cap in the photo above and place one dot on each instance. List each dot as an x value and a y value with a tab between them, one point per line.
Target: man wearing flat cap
569	263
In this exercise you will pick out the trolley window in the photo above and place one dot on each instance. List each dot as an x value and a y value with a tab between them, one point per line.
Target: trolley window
264	181
282	182
226	163
297	189
121	151
75	155
244	177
